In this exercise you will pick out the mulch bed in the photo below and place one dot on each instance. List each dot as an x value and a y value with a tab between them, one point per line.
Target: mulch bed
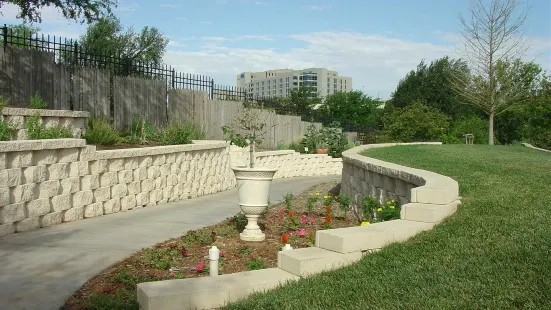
187	256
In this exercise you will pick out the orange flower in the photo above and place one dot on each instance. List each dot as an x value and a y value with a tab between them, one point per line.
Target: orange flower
290	213
329	208
284	238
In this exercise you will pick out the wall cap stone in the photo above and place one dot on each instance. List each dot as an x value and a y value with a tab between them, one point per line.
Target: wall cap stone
156	150
36	145
44	112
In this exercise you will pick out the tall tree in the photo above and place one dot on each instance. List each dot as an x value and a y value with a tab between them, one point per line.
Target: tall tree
353	110
84	10
431	84
301	101
492	34
108	37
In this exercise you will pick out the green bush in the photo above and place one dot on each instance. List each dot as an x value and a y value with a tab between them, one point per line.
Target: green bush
36	102
38	131
473	125
310	139
336	139
417	122
181	133
142	131
296	146
449	139
6	129
99	131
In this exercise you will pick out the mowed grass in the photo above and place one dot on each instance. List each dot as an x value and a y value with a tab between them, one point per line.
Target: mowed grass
494	253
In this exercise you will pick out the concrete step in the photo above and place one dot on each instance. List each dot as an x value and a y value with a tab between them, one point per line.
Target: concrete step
370	237
208	292
308	261
428	213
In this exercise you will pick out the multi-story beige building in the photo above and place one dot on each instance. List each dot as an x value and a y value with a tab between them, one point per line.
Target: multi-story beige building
278	83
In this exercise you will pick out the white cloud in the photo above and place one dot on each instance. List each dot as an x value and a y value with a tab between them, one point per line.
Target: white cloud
317	7
126	7
205	22
170	5
376	63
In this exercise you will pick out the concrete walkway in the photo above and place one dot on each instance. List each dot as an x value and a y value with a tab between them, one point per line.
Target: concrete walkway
40	269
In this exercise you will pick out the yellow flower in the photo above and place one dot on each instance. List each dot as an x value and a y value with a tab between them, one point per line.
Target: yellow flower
317	194
391	207
388	202
393	201
380	210
365	223
325	197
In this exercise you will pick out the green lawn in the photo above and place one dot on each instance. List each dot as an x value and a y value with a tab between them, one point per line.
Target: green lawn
494	253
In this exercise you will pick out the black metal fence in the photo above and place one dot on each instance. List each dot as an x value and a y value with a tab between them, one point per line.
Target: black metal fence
68	52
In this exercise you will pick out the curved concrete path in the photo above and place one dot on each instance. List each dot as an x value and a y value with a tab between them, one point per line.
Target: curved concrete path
40	269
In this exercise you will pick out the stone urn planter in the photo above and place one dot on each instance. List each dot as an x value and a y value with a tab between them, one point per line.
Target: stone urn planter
253	186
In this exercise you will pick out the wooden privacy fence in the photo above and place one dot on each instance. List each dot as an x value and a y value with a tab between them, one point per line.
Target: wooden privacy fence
211	115
66	87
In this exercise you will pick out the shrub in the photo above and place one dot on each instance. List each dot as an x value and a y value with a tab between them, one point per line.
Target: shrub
256	264
142	131
310	139
6	129
449	139
417	122
181	133
100	131
336	139
36	102
38	131
473	125
239	221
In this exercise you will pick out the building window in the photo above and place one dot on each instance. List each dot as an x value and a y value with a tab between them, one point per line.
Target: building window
328	91
335	81
257	83
287	79
281	80
262	94
262	88
344	82
262	83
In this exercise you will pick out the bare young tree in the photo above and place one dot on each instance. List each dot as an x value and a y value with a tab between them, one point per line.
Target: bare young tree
492	33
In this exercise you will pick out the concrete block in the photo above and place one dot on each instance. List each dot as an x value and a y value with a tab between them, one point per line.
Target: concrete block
168	192
170	158
370	237
3	161
23	193
51	219
115	164
61	202
16	121
165	170
67	155
70	185
58	171
11	177
112	206
12	213
98	166
140	173
44	157
159	160
145	162
125	176
155	196
428	213
109	179
142	198
78	169
7	229
83	198
73	214
134	188
19	159
27	224
48	189
92	181
160	183
119	191
93	210
102	194
86	152
153	172
35	174
130	163
128	202
209	292
441	194
38	207
307	261
148	185
50	122
174	168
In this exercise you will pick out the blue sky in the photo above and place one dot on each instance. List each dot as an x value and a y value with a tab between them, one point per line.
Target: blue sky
376	42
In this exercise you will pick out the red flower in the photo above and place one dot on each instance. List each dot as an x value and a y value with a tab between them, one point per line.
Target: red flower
200	266
329	208
328	218
284	238
184	252
221	254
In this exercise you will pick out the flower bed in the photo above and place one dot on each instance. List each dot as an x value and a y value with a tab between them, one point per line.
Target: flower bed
299	217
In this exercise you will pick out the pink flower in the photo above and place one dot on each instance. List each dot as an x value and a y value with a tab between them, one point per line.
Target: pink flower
159	275
172	274
200	266
300	232
312	220
281	212
303	220
221	254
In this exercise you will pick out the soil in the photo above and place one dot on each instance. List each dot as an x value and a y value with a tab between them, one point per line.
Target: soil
180	258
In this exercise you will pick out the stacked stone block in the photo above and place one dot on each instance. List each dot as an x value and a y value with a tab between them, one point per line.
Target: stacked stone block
43	183
293	164
75	120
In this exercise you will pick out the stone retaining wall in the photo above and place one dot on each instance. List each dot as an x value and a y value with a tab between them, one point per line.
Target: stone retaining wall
47	182
363	176
290	163
75	120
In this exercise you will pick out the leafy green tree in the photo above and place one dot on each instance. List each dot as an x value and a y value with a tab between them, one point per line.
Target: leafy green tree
108	37
536	127
354	110
84	10
301	101
21	35
432	84
417	122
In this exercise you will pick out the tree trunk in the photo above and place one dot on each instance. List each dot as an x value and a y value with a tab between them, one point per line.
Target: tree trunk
491	129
